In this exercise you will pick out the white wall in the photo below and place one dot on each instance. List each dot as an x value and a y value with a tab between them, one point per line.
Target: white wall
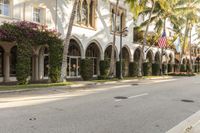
101	34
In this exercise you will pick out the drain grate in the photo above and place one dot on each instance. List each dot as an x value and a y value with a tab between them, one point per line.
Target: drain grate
187	101
121	97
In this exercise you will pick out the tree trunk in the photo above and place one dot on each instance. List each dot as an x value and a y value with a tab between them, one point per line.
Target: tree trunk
183	46
161	56
190	48
66	42
112	61
144	42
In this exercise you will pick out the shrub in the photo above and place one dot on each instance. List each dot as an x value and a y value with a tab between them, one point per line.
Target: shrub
104	69
183	68
133	69
177	67
86	69
170	68
23	65
55	60
156	69
147	69
118	71
164	68
181	74
197	68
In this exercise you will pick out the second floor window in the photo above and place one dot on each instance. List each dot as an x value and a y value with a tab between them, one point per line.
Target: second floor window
120	18
36	15
85	13
4	7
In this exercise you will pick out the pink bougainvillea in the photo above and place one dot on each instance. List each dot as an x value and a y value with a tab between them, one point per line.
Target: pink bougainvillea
36	33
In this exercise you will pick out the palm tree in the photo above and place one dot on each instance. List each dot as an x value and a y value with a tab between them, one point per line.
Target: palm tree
67	40
188	10
142	8
137	9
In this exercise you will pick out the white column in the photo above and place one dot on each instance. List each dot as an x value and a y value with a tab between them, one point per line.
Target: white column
37	67
6	66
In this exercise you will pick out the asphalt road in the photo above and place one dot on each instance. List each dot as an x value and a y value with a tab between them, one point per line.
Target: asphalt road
148	107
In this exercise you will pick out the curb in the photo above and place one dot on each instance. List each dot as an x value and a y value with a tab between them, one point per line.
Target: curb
190	125
82	85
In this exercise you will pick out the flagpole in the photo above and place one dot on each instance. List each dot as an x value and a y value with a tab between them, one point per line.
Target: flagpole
161	60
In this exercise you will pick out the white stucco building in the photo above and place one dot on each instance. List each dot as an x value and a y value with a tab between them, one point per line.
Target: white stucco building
92	34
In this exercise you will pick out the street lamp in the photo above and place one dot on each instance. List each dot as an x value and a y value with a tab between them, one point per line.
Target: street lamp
124	32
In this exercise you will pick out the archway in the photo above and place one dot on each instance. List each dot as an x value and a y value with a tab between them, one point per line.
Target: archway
93	53
107	56
1	61
137	55
170	59
73	59
197	64
157	58
149	56
184	61
125	60
13	61
44	63
165	58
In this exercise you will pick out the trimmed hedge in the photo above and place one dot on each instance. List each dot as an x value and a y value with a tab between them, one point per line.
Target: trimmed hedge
164	68
147	69
183	68
55	60
104	69
176	67
133	69
197	68
118	69
170	68
86	69
23	65
156	69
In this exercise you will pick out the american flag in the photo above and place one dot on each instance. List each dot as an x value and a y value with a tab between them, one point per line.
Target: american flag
162	42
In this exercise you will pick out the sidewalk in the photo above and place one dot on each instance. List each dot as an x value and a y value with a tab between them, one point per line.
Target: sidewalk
89	84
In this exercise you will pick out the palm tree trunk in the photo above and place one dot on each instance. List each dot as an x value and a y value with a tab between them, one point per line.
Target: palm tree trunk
183	46
190	48
145	41
66	42
112	61
161	56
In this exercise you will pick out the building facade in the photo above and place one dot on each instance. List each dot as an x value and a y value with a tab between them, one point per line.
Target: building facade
92	35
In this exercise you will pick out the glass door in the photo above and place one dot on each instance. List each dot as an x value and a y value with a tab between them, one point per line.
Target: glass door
73	66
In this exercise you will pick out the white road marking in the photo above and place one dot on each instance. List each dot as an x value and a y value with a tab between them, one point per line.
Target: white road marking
140	95
118	100
135	96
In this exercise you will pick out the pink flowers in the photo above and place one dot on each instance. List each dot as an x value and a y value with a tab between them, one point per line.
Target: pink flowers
27	30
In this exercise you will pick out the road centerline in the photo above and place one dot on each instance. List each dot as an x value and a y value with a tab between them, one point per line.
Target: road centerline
139	95
131	97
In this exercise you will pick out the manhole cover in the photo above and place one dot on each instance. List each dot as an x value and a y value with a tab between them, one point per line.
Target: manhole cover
187	100
135	84
120	97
